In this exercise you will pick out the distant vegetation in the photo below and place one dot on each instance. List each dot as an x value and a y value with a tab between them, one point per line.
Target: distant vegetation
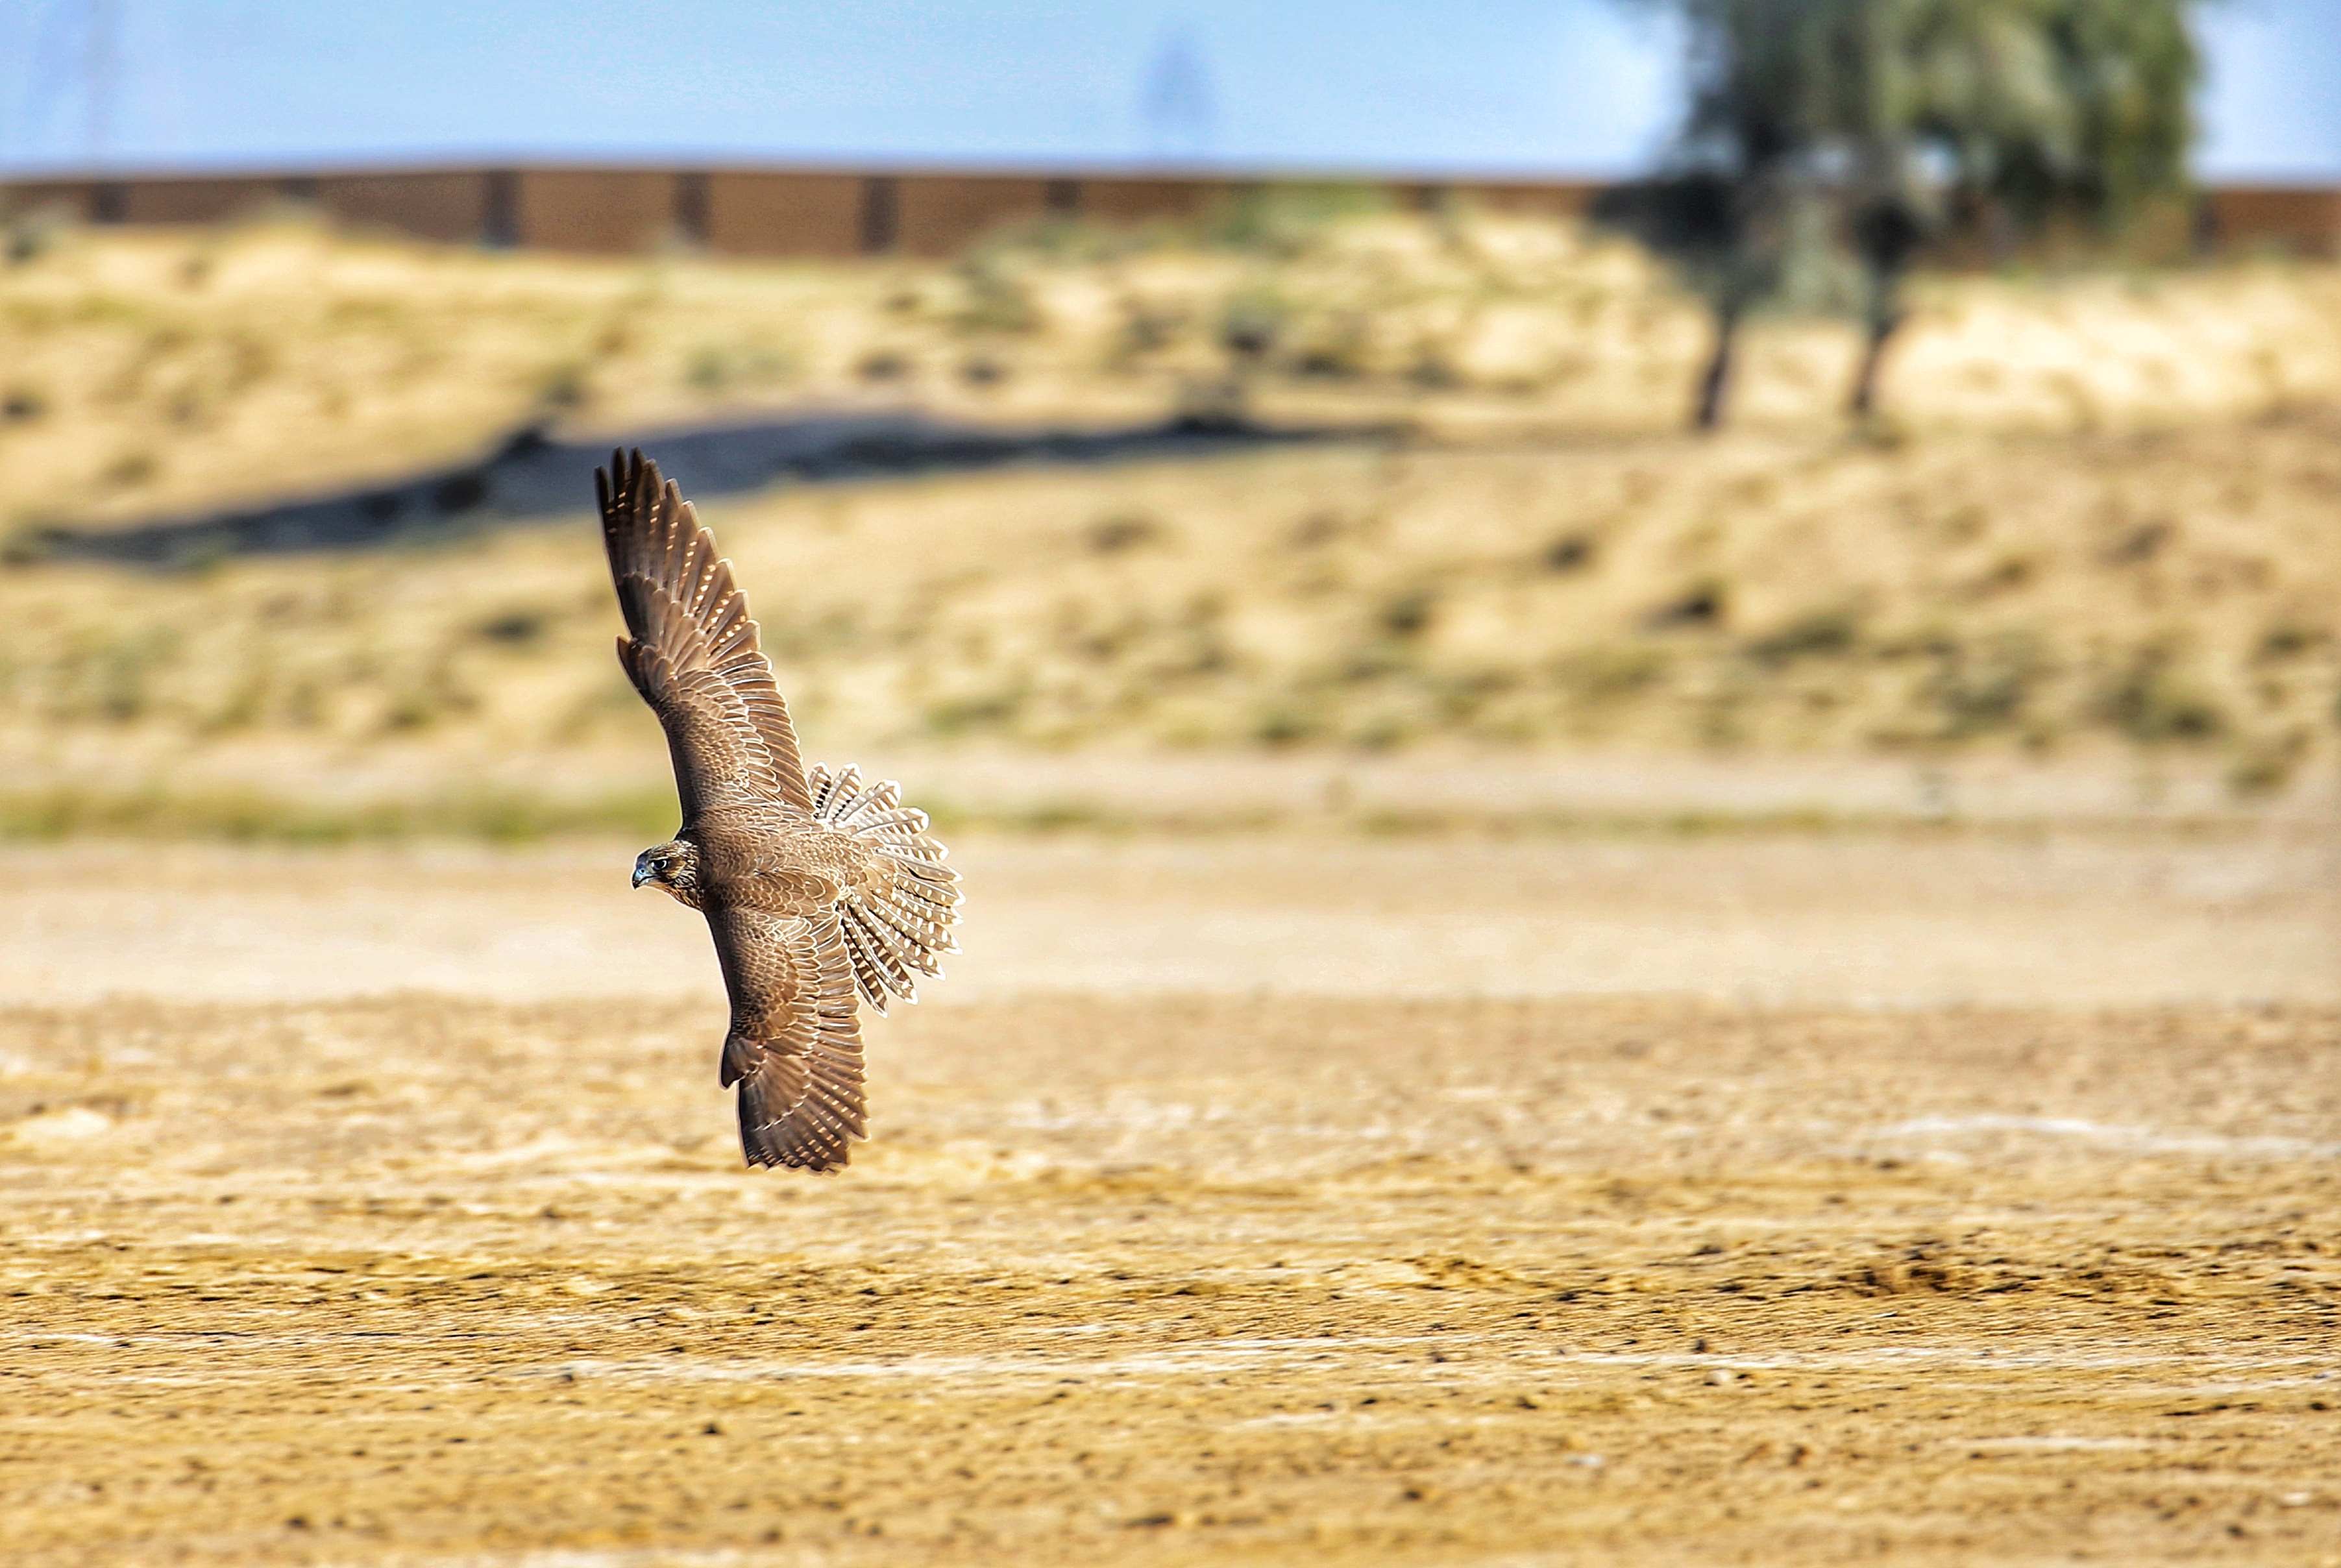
1824	133
2103	523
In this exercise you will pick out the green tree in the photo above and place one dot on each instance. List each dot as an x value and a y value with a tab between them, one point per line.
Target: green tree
1829	141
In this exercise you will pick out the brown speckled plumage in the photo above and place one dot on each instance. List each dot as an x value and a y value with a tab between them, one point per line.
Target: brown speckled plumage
816	887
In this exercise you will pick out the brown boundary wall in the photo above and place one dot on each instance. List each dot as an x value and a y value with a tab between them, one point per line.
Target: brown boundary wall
2304	220
829	213
450	206
610	212
778	213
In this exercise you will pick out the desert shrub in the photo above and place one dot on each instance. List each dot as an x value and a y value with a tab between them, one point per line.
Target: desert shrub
1334	349
1252	321
1978	691
979	713
1147	327
993	300
1596	677
2152	701
1285	220
130	468
431	695
707	370
1816	635
513	628
1704	603
1569	553
1122	532
1286	723
1409	613
1433	369
564	386
2267	763
110	678
2289	639
29	235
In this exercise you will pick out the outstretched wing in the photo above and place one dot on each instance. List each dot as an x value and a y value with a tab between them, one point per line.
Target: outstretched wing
794	1047
691	648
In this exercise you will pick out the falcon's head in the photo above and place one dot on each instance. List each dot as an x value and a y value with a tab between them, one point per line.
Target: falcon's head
673	865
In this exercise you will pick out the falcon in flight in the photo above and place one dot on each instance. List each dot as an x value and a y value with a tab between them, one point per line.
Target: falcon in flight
818	888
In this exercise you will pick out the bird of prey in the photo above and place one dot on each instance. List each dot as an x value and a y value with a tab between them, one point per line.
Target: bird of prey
817	887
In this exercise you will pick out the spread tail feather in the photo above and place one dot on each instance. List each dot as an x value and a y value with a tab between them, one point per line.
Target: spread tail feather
897	930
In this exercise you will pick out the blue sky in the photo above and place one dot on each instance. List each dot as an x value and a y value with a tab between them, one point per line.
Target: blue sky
1524	86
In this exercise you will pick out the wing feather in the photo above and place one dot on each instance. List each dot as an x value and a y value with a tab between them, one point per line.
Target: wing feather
691	648
794	1047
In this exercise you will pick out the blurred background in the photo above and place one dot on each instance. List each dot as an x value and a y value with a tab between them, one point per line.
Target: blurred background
1612	677
1173	393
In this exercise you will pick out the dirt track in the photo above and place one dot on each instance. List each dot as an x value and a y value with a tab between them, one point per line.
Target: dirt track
1174	1277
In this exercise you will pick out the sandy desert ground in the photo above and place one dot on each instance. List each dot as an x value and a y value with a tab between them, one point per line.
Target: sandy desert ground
1967	1198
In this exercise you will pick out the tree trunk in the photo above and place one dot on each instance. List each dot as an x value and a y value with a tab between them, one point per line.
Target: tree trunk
1883	274
1882	328
1716	384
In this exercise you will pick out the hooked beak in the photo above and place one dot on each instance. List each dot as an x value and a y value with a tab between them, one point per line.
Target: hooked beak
641	874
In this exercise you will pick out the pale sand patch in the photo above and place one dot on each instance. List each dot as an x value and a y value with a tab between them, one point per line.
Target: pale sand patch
1857	918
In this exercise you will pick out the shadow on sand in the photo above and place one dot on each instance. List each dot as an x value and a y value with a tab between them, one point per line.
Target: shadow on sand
531	477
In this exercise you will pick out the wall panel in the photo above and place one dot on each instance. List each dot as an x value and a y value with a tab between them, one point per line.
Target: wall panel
608	212
755	214
448	206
